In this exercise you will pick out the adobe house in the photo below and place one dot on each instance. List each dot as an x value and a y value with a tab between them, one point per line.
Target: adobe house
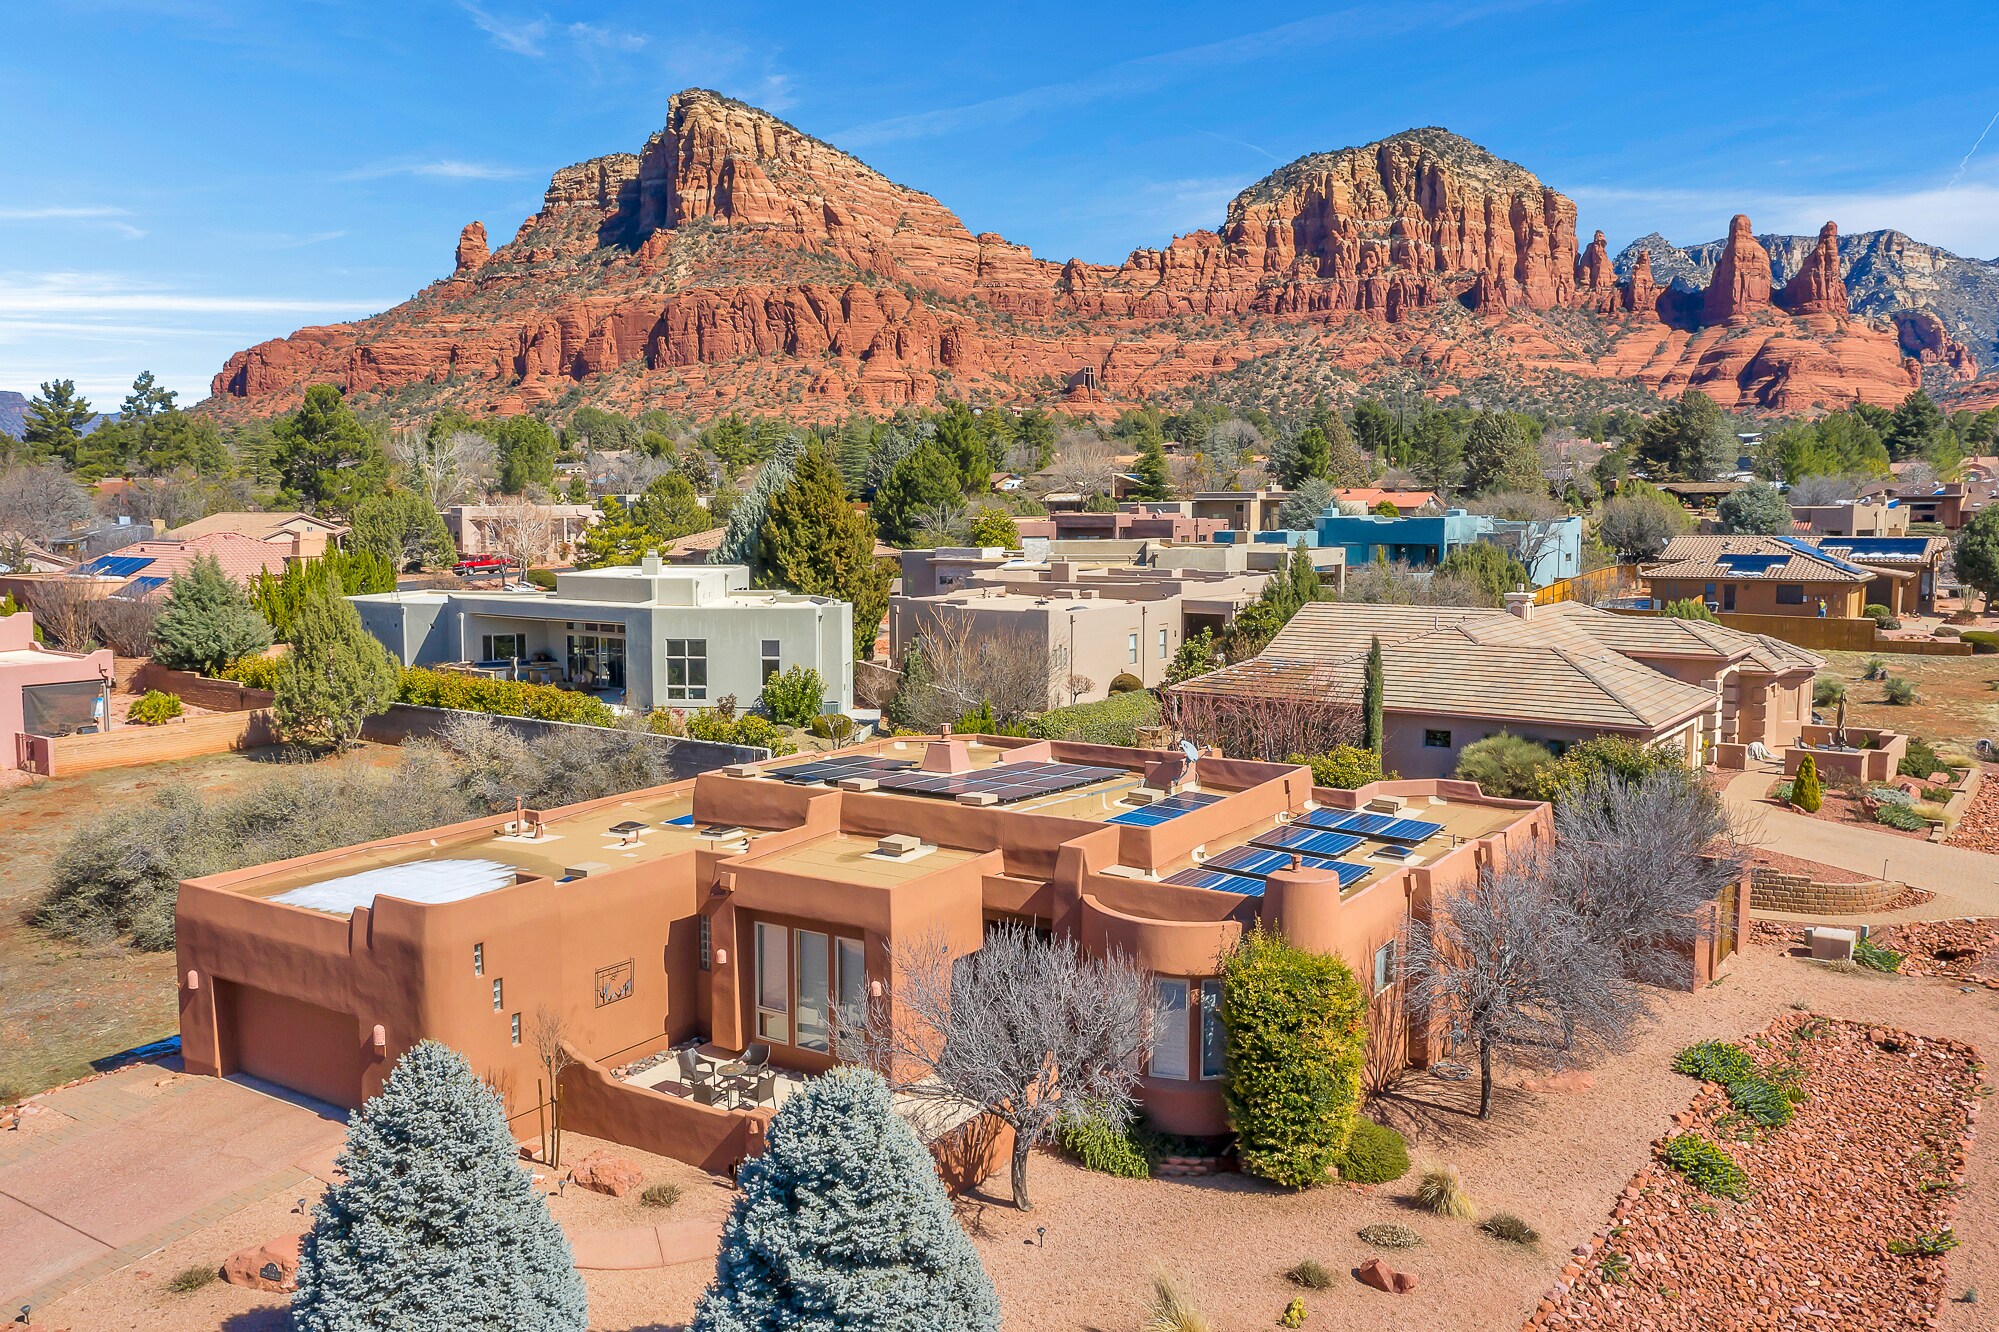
1559	674
756	906
46	692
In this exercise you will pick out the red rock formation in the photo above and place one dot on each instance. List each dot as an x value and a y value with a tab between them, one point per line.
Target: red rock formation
737	263
1817	287
1925	338
1741	283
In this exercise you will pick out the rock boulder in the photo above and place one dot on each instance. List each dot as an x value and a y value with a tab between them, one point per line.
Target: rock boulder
602	1172
272	1265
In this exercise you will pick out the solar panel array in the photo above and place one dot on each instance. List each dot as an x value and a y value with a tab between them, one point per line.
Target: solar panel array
1161	811
1751	564
1307	841
1005	782
1218	881
1807	548
115	566
1383	827
1861	547
839	769
1263	862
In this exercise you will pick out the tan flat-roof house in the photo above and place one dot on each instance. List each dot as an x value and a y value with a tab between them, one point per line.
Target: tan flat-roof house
744	915
1559	674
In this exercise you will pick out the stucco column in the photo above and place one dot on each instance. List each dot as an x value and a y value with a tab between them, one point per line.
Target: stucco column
727	966
1304	906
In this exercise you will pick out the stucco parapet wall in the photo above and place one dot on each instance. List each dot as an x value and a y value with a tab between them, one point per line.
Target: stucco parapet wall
1168	947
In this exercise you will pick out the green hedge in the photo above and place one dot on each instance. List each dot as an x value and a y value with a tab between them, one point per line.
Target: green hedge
1112	721
1297	1047
255	672
1983	641
503	698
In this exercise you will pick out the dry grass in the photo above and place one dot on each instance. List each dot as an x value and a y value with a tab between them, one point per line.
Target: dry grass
1440	1190
1311	1274
1510	1228
190	1279
1172	1311
1388	1235
659	1195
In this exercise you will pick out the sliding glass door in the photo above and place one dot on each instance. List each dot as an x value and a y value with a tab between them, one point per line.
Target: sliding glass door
801	975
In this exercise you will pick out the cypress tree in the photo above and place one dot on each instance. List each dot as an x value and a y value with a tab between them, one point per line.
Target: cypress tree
746	519
336	674
1304	577
1311	457
814	541
207	621
434	1226
1371	698
1155	480
1806	793
843	1223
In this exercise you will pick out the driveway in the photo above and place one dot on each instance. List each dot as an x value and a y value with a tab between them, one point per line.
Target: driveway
114	1169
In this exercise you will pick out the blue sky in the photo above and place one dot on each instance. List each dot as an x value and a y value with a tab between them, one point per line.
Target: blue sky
186	177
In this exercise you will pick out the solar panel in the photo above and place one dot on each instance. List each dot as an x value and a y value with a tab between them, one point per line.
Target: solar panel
1386	827
1307	841
1751	564
1807	548
116	566
140	587
1161	811
1263	863
1221	883
1005	782
839	769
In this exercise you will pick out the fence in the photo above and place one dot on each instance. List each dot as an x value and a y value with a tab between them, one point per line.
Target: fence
130	746
1617	580
1832	634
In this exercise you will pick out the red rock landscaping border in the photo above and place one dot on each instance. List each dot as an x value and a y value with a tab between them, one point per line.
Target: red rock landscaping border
1874	1155
1961	950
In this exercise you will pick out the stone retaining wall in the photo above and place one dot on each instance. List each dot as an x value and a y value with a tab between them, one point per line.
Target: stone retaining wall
1799	894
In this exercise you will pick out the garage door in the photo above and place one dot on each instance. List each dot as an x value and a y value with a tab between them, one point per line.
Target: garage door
300	1046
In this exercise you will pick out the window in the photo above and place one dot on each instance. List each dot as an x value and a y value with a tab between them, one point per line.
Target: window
1131	648
478	959
502	647
499	995
1214	1036
687	669
517	1028
1169	1028
1436	739
1384	966
773	983
704	939
1162	645
770	660
814	1022
1790	594
851	979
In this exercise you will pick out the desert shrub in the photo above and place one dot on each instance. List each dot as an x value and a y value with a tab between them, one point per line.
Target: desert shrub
1611	755
1898	691
1294	1313
1782	790
1983	642
748	729
1903	817
1827	691
190	1279
1918	760
1310	1274
1389	1235
1929	810
502	698
1104	1143
1297	1046
1509	1228
542	578
1172	1310
1889	795
1343	767
1440	1189
1875	611
795	696
1509	766
1806	793
1112	721
836	726
659	1195
1933	1244
154	707
1874	957
1705	1166
1375	1154
1937	794
1761	1100
1715	1061
1875	669
258	672
1688	608
1124	682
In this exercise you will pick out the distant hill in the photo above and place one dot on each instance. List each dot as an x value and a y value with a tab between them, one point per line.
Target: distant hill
14	414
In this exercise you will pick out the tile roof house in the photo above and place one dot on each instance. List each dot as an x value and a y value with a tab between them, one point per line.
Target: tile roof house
1761	575
302	536
1405	501
144	567
1559	674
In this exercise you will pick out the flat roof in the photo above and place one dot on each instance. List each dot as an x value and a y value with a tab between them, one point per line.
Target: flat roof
1098	800
851	858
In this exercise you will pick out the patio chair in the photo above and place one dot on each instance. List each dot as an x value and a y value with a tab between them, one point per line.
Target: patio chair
708	1093
756	1090
756	1054
694	1072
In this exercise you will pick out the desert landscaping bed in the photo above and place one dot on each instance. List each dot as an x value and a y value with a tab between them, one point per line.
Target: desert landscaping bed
1869	1166
1978	829
1954	949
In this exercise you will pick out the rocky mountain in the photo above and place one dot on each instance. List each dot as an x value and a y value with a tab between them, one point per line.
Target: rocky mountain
1946	307
14	414
737	263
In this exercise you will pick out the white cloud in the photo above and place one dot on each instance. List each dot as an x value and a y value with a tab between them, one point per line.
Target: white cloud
58	213
77	293
522	37
445	169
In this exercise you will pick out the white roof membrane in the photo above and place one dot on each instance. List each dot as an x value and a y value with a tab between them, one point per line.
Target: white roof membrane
427	881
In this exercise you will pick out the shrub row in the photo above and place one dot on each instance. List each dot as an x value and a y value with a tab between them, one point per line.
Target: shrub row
1111	721
502	698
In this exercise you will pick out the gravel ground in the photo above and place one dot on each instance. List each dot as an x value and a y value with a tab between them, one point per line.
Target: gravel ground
1557	1159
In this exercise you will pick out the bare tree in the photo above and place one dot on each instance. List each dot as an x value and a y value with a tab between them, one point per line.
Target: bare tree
522	530
965	669
1026	1029
125	624
1076	686
41	502
1083	463
1277	710
1508	963
1809	491
1641	864
627	472
1228	453
551	1047
447	469
65	609
1396	584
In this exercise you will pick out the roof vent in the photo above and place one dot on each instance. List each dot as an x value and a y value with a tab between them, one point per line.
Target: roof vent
1388	804
899	846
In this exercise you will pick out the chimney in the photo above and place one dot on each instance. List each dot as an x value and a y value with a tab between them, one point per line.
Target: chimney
1520	602
650	564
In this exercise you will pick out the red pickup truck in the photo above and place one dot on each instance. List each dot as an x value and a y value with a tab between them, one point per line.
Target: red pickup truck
481	564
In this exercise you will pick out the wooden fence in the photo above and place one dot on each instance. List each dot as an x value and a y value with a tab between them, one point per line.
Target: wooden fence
1617	580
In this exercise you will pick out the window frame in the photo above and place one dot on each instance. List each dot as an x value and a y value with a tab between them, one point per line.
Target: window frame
1384	967
499	995
1792	594
681	652
768	1019
490	642
704	943
515	1023
1162	644
1131	648
771	651
1431	742
478	959
1163	1035
1210	990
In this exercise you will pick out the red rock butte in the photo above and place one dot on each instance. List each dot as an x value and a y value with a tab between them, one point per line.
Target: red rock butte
737	263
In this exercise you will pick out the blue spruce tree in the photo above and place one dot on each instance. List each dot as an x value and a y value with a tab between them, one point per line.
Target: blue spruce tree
843	1224
435	1227
746	520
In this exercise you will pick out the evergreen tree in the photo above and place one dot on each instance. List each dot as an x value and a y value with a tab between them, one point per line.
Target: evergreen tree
1437	452
1757	508
746	517
815	541
1371	690
1311	458
1975	557
526	453
1301	508
958	435
1690	439
1500	456
1376	431
433	1225
857	441
207	621
1493	570
403	529
1912	430
324	457
995	527
1155	479
667	511
1303	576
336	675
56	421
147	398
923	480
280	597
1806	793
842	1223
1346	465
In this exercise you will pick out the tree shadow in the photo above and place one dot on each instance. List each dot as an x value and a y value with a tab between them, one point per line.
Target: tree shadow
1423	1107
271	1318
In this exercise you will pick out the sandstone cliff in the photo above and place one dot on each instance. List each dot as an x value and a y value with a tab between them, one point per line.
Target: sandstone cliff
737	262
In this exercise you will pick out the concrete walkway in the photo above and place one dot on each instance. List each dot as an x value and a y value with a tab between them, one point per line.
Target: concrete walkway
643	1247
1966	882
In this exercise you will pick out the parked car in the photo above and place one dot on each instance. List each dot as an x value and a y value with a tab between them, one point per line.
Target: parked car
481	564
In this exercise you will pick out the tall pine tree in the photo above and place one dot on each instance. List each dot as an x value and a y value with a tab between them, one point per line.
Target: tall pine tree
843	1223
925	479
815	541
1155	480
1371	707
56	420
336	675
746	518
434	1226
